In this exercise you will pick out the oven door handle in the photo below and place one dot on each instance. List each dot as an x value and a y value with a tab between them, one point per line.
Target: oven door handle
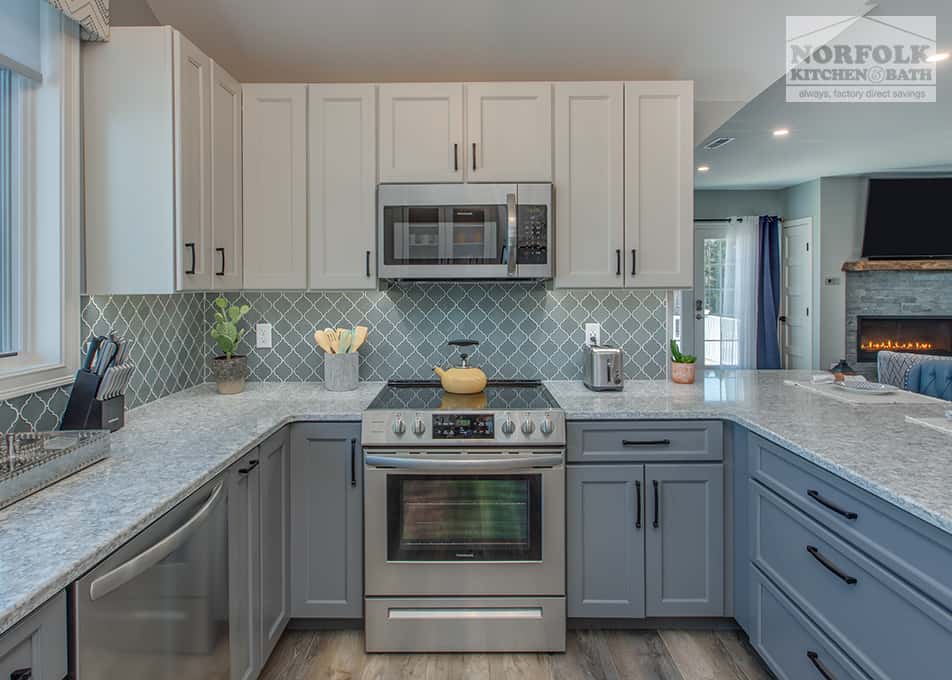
480	465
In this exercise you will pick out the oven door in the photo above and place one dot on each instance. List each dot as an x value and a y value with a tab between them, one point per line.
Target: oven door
465	524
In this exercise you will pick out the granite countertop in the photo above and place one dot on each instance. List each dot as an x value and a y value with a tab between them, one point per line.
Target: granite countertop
171	447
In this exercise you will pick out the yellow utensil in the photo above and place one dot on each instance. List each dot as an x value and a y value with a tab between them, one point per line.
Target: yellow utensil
360	336
320	337
332	339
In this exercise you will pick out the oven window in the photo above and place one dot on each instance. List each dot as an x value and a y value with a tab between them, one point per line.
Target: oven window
464	518
434	235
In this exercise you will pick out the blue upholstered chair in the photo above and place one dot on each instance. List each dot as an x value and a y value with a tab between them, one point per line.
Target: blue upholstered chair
933	378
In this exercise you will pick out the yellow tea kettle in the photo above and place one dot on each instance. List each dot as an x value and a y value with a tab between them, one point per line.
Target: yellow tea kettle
462	379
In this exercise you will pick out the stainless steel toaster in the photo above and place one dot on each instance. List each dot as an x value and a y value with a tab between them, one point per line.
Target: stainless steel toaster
604	368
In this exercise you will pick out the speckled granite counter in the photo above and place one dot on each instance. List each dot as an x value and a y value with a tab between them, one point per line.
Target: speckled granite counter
871	446
167	449
171	447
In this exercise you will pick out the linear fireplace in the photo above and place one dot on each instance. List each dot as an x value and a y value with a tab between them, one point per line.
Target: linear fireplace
918	334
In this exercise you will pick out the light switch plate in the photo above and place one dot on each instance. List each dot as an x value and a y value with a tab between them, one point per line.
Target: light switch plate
263	336
593	330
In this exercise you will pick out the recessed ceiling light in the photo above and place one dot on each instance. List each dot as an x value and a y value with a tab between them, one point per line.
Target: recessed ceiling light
937	57
703	168
781	132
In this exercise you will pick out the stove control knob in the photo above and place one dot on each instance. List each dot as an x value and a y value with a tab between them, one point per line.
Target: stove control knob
547	426
528	427
508	427
399	427
419	427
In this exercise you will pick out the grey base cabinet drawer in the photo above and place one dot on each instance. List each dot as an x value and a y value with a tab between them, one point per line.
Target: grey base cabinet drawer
887	627
35	648
791	645
645	441
921	553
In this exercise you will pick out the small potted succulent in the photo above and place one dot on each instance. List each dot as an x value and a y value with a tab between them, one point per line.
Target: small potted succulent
683	366
229	370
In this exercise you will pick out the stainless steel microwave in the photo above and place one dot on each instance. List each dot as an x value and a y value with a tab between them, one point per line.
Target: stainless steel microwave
464	231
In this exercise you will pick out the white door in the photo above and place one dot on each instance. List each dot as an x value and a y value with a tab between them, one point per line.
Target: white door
589	185
659	184
341	186
226	179
714	338
274	140
509	132
796	323
192	80
421	132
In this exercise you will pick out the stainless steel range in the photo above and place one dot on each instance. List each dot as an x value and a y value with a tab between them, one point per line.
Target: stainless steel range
464	512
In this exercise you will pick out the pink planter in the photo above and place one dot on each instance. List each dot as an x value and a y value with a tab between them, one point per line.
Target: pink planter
682	373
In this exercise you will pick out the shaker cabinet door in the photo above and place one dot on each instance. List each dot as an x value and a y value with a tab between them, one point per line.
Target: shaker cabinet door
421	132
684	540
659	184
192	87
342	185
244	594
605	541
275	483
226	180
590	185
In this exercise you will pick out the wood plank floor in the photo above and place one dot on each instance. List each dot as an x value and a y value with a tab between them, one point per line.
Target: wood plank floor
590	655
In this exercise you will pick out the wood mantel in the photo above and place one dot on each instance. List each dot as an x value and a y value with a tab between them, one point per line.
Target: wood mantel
898	265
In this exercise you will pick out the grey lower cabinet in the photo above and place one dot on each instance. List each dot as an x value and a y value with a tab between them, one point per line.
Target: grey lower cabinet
645	540
35	648
326	521
258	556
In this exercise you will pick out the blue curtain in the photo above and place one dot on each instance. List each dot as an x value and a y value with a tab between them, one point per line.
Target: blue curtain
768	293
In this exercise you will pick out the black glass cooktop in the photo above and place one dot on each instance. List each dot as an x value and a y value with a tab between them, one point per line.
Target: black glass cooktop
499	395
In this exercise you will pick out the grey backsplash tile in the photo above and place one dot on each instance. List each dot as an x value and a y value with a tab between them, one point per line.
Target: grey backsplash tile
524	330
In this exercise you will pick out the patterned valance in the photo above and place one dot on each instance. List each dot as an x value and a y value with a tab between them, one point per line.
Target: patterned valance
92	15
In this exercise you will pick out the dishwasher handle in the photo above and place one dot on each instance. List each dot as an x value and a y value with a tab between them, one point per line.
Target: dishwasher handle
476	465
127	571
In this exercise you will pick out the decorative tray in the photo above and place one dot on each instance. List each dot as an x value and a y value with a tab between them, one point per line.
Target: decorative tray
30	461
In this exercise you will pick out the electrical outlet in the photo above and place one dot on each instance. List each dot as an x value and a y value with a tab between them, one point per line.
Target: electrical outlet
593	334
263	336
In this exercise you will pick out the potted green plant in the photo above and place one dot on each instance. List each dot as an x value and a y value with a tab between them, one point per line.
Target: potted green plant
229	370
683	366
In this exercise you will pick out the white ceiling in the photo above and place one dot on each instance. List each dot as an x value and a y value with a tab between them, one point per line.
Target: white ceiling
730	48
836	139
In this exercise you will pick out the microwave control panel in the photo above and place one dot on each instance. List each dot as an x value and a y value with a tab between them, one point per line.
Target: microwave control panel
533	236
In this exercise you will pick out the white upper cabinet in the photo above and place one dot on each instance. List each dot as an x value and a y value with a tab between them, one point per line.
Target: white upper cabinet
421	132
659	184
590	186
147	167
225	179
509	132
274	125
342	186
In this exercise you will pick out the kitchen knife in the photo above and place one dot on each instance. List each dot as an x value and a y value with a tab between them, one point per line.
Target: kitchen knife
92	346
107	353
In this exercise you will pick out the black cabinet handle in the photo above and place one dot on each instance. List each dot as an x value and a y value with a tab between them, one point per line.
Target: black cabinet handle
634	261
618	263
22	674
456	158
353	462
251	466
637	504
823	670
830	505
367	262
222	271
191	246
657	493
822	559
646	442
474	155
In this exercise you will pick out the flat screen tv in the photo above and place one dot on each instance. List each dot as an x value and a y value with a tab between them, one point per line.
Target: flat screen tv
909	218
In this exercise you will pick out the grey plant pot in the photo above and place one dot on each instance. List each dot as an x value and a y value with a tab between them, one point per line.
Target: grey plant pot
230	374
341	371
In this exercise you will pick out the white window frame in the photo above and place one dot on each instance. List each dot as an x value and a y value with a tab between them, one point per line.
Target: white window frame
48	353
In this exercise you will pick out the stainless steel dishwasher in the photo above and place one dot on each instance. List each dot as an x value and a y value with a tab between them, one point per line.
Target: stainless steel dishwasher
158	606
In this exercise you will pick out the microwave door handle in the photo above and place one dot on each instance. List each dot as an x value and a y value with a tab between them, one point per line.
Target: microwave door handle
148	558
511	240
480	465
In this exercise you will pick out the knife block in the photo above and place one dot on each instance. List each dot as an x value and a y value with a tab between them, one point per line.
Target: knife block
85	412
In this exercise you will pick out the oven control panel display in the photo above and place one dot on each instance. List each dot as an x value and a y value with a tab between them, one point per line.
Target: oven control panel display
463	426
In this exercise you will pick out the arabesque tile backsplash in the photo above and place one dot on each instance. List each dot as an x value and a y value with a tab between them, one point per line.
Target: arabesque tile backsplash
524	330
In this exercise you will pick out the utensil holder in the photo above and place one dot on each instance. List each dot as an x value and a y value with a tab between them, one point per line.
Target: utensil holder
341	371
